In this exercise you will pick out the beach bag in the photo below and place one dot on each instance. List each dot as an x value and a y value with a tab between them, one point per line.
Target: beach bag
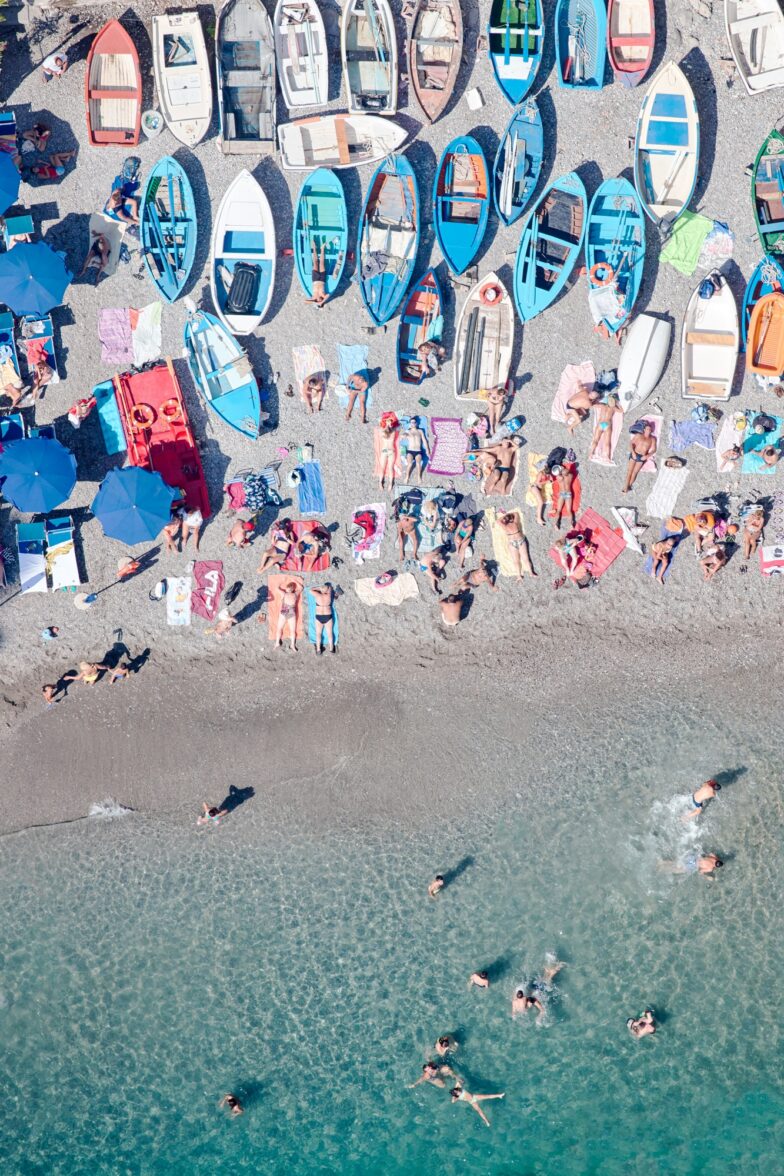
763	423
367	521
159	591
244	290
707	504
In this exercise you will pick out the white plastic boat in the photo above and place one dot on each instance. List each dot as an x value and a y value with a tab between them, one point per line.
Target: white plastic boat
643	359
709	343
244	238
338	140
182	75
301	49
755	31
368	47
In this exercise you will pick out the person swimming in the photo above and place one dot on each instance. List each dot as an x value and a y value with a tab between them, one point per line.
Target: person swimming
642	1026
460	1094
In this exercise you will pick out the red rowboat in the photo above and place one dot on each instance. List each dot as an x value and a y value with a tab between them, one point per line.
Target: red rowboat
113	88
631	33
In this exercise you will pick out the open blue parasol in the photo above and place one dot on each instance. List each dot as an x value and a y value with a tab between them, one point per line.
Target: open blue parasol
33	278
38	473
9	182
133	505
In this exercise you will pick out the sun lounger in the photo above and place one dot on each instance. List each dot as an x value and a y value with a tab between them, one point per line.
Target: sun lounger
274	586
8	340
12	427
37	335
16	228
312	610
61	560
30	543
114	232
8	138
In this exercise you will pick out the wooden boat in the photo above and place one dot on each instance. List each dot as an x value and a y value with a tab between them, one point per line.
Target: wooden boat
388	237
709	342
767	193
222	372
157	431
242	265
435	50
550	245
461	202
168	227
301	50
182	75
113	89
643	359
755	31
321	219
245	70
484	338
518	162
515	41
581	43
368	48
667	147
765	352
338	140
767	278
614	254
422	321
631	36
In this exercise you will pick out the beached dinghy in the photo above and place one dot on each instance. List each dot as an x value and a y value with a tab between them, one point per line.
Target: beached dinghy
422	321
709	341
388	237
461	202
765	352
301	49
222	372
321	222
515	39
614	254
368	48
643	360
168	227
631	35
755	31
581	43
113	88
245	68
550	245
768	278
484	338
338	140
242	265
182	75
667	147
435	50
767	193
518	162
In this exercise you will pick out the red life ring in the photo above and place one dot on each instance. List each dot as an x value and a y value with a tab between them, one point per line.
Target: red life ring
171	410
143	415
490	294
605	268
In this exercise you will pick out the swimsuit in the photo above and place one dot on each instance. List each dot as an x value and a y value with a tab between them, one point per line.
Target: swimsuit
690	864
323	618
565	496
319	275
638	457
698	803
287	610
515	543
604	424
499	469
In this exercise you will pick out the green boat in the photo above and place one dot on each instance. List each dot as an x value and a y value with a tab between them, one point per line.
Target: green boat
767	193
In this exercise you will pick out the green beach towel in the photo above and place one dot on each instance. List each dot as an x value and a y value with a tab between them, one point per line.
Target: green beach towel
683	249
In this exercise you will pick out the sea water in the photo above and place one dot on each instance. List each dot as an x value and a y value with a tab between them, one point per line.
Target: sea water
147	968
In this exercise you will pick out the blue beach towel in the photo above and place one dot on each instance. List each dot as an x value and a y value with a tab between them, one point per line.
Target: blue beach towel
429	539
310	490
686	433
109	418
752	462
352	357
312	619
647	567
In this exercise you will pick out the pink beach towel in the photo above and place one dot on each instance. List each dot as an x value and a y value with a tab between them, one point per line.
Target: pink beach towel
572	375
610	544
447	448
617	425
116	335
209	583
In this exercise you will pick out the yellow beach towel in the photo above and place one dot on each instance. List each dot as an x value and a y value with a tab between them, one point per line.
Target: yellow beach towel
501	551
533	458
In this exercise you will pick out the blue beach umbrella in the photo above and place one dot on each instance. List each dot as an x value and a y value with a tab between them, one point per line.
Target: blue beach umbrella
9	182
133	505
37	473
33	278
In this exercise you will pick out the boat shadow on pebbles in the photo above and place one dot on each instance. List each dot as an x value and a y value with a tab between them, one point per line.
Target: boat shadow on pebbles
701	79
275	188
194	172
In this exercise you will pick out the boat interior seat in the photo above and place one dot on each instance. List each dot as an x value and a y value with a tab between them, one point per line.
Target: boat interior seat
237	79
241	55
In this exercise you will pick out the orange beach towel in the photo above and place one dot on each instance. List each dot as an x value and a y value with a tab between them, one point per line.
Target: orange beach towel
275	586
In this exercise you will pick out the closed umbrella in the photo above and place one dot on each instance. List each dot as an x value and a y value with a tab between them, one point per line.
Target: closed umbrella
9	182
33	278
133	505
37	473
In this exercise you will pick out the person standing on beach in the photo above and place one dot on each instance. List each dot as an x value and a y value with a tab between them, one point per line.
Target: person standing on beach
357	386
700	798
89	673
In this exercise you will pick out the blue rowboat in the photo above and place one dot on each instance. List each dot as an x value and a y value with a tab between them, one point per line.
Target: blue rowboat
518	162
321	220
581	43
667	147
768	278
221	371
422	321
242	265
388	237
550	245
614	254
461	202
168	228
515	38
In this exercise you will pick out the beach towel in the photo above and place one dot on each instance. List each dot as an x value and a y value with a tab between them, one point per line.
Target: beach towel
647	566
533	472
294	562
113	231
609	543
403	587
308	361
210	582
312	609
116	336
370	548
178	600
728	436
274	588
752	462
687	238
379	440
146	333
501	548
718	246
352	357
430	537
615	432
310	489
686	433
572	376
660	503
109	418
626	518
577	493
448	445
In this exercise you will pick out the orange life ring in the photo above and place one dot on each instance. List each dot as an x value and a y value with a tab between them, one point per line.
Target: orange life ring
606	268
490	294
143	415
171	410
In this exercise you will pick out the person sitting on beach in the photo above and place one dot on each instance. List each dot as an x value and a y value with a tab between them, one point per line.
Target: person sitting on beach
574	554
119	673
452	608
282	541
460	1094
753	529
661	557
731	456
211	814
55	65
642	1026
171	532
223	626
232	1104
97	258
240	534
464	533
324	617
479	980
503	472
417	451
771	454
49	693
522	1003
192	521
38	135
434	1074
430	355
693	863
445	1045
318	272
122	207
10	380
475	577
311	547
313	392
713	560
357	386
436	886
496	406
579	405
700	798
52	168
516	543
433	564
703	527
289	595
601	442
642	447
566	475
89	673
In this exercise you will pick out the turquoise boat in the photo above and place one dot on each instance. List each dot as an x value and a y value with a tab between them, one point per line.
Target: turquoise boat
614	253
550	245
422	321
321	219
168	227
461	202
388	237
221	371
581	43
518	162
515	40
768	278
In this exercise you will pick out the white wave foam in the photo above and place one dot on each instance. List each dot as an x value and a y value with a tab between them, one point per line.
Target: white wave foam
108	808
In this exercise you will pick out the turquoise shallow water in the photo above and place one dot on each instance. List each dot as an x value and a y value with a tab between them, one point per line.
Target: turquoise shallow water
147	968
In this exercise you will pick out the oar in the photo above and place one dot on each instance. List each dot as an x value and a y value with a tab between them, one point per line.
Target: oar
767	319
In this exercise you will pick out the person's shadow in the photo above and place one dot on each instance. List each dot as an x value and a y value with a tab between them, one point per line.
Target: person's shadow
112	656
452	875
139	661
236	797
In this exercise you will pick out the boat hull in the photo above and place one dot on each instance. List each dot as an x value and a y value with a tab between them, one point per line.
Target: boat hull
113	89
388	228
435	51
421	321
182	75
338	140
245	72
581	43
550	245
709	343
667	146
461	202
168	227
643	360
484	338
765	350
515	43
301	52
614	253
222	373
368	46
631	39
518	162
768	277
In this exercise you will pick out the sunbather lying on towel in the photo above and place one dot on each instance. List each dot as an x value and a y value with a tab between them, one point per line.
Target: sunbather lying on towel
312	546
123	207
502	474
641	447
601	443
289	594
463	535
579	405
49	169
661	556
417	450
97	258
283	539
496	406
516	543
407	529
475	578
575	553
313	391
324	618
753	526
41	369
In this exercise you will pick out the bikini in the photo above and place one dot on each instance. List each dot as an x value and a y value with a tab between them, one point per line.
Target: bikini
698	803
